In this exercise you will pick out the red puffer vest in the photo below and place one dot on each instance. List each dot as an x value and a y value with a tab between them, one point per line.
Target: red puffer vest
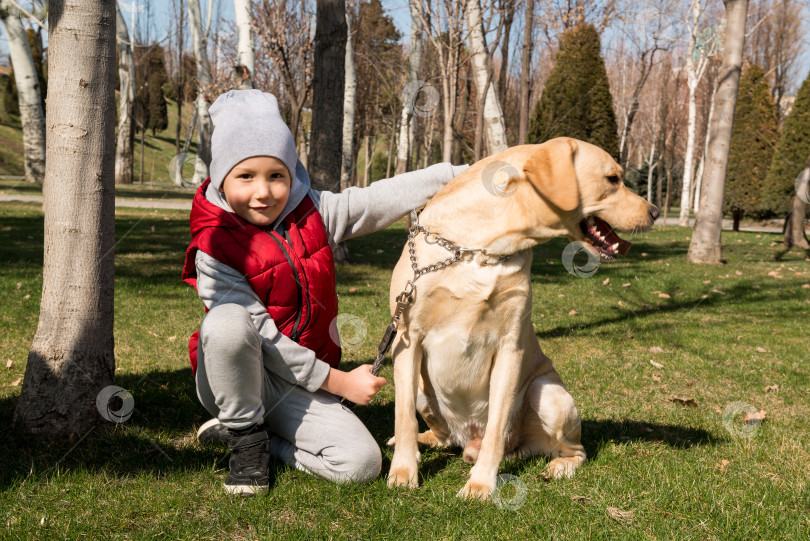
294	274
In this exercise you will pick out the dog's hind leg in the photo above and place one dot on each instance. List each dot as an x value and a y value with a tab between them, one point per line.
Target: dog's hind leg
551	426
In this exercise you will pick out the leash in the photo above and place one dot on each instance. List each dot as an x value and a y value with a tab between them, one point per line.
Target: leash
405	298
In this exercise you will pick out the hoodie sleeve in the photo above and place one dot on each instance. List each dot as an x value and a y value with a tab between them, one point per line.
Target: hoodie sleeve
218	283
358	211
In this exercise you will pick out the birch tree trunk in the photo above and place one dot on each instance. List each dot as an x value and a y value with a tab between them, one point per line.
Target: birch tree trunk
694	73
245	70
349	92
705	245
71	358
204	126
482	72
794	222
507	11
406	126
650	170
126	128
30	101
327	95
525	66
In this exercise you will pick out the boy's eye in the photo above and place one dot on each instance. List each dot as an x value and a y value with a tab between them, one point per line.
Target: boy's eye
244	175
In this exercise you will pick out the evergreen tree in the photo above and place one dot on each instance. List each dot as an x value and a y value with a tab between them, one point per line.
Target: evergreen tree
150	103
790	157
576	101
753	138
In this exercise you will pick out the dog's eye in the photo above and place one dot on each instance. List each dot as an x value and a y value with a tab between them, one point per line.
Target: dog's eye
613	179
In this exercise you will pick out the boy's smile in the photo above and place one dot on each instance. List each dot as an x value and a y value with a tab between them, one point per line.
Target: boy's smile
257	189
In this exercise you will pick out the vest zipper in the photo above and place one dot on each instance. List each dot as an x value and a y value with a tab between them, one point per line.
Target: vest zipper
295	332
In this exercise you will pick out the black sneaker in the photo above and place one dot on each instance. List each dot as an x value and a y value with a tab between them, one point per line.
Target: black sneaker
250	461
213	431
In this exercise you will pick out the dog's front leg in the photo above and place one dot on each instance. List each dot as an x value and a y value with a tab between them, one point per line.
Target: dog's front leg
503	386
408	357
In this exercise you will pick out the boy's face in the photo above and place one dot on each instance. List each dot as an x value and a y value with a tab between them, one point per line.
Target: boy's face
257	189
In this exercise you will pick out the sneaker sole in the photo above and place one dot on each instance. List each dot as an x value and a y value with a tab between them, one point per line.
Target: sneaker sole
246	490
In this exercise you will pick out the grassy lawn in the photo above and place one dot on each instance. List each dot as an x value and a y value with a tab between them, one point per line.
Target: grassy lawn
627	341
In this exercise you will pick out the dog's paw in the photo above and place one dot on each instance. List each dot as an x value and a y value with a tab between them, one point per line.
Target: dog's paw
427	438
403	476
563	467
476	490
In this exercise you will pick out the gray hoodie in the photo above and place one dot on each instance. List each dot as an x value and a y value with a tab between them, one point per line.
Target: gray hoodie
351	213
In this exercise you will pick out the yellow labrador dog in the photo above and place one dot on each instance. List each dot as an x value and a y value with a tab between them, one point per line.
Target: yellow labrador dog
466	355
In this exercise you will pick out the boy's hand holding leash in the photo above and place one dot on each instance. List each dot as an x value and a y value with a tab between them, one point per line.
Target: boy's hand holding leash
358	386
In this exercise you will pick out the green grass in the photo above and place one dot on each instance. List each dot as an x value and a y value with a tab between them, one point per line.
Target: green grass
661	462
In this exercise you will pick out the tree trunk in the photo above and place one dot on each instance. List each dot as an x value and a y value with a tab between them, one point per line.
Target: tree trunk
482	71
507	11
245	69
525	65
181	87
794	222
349	93
404	148
204	126
702	166
124	148
367	166
650	170
327	95
735	221
705	244
30	100
689	158
71	358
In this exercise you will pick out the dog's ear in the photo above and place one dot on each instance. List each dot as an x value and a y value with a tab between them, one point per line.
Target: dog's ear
551	170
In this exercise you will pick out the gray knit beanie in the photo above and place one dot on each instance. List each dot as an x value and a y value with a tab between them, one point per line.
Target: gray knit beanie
247	123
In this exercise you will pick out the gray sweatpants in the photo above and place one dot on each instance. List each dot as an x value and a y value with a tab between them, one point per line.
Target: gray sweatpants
317	433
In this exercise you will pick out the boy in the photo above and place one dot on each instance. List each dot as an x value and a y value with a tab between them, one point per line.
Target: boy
261	260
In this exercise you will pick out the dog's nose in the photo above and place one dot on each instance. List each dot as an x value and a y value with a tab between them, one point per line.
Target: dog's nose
654	212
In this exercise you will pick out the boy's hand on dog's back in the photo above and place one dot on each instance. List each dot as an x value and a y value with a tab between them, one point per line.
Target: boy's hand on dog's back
359	385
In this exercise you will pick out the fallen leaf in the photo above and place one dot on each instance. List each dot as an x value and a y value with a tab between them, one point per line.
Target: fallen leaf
19	285
755	418
775	274
606	282
352	290
805	286
762	350
172	338
7	228
561	295
619	514
768	389
738	273
656	349
723	464
621	303
656	378
573	313
684	401
626	284
663	296
380	251
27	297
655	364
707	281
644	254
9	362
16	382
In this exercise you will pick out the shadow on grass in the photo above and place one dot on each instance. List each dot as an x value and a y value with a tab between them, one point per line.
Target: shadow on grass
159	438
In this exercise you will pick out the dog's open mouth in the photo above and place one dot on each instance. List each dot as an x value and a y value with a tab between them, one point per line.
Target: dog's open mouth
599	234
